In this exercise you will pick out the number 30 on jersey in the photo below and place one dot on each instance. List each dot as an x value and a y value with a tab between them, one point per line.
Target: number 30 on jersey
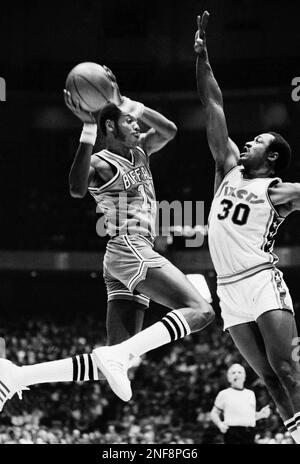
239	215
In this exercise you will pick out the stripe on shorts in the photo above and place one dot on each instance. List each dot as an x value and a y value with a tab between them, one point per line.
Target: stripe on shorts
276	290
127	242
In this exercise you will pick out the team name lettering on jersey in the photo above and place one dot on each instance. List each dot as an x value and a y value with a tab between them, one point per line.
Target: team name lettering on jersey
135	176
241	194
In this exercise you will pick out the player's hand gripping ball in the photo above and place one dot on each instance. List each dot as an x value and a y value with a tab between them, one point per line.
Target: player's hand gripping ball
90	85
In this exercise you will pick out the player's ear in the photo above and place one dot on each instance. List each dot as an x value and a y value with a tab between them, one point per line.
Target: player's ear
110	126
273	156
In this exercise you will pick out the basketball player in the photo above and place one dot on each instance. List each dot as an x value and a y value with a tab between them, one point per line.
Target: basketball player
120	180
237	405
250	203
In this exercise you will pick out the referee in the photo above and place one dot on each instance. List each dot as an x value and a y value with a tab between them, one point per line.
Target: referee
237	405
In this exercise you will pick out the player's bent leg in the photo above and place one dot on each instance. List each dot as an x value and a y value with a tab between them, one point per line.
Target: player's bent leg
279	330
169	287
124	319
250	343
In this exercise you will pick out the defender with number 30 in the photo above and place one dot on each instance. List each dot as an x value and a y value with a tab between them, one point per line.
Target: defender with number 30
249	205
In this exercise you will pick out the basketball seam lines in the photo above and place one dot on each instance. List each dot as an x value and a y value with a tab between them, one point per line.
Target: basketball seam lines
104	96
74	82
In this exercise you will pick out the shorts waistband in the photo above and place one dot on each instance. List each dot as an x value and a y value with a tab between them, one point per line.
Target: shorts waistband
148	239
231	278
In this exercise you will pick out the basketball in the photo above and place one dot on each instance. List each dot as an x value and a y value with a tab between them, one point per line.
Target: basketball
89	83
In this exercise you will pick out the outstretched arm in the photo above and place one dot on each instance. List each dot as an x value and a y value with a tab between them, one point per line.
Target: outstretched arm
224	150
161	131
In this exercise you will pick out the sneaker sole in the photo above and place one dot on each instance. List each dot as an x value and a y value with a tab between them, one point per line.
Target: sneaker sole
101	364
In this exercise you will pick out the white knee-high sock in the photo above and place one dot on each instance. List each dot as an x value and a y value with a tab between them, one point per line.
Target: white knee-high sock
291	426
78	368
297	421
172	327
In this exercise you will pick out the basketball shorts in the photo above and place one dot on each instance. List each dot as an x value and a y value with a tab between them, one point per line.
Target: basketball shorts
246	300
126	262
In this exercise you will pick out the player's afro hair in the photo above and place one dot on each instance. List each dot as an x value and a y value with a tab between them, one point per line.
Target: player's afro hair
111	112
281	146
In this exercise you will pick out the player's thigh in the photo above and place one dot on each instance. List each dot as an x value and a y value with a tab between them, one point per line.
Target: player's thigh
124	319
168	286
250	343
279	331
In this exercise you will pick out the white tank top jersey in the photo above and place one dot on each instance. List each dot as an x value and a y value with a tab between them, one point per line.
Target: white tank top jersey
238	407
128	200
241	227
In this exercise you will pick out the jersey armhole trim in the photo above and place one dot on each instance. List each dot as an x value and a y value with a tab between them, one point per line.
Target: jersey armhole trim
110	182
144	153
230	170
271	184
226	175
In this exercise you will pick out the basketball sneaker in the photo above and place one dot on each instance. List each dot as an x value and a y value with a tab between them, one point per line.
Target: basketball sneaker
114	363
8	382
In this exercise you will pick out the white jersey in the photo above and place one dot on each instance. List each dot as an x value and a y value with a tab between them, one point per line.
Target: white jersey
238	407
242	226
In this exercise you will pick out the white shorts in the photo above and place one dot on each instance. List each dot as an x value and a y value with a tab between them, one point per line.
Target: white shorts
244	301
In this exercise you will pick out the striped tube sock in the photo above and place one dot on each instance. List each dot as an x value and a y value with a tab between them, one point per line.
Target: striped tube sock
78	368
297	418
84	368
172	327
291	426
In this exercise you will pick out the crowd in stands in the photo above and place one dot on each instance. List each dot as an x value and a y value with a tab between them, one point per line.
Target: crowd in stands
174	389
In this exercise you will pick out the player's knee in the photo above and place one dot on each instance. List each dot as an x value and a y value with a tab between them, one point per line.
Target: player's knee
203	315
209	313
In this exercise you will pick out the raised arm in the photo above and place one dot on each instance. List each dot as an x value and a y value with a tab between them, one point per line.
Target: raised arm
161	131
81	171
86	170
223	149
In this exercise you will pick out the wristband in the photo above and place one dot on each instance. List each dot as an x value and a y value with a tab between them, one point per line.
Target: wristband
89	133
136	109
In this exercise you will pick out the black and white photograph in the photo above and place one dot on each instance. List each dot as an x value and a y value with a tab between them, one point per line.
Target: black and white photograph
150	232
